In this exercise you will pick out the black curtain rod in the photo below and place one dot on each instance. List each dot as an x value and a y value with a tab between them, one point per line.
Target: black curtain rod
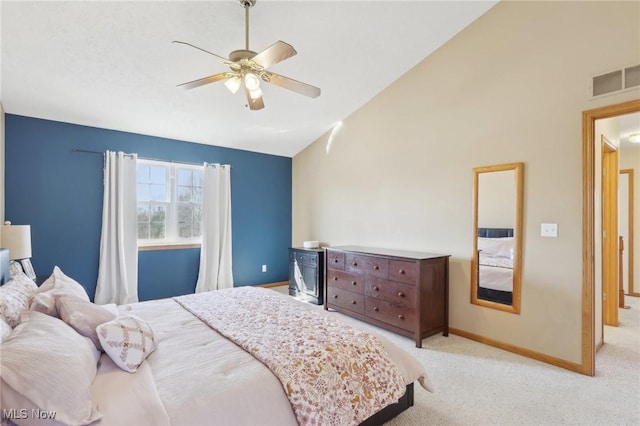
144	158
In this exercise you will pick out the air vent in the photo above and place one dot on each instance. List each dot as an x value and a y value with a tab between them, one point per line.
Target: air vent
615	81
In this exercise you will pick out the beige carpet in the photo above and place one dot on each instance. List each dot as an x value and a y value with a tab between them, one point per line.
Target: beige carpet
480	385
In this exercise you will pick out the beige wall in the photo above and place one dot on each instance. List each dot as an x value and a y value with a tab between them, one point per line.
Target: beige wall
497	199
511	87
630	159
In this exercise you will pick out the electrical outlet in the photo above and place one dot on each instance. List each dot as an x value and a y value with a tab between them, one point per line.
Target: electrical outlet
264	268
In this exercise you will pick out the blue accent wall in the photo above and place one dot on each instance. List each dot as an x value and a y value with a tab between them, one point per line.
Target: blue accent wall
59	193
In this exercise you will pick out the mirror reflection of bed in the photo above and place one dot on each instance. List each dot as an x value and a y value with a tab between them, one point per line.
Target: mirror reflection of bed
495	261
497	236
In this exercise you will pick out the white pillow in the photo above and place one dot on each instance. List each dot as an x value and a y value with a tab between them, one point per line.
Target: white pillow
497	247
84	316
46	362
128	340
506	248
44	299
14	297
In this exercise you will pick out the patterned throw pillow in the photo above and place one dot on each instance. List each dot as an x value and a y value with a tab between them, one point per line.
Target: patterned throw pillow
128	340
14	297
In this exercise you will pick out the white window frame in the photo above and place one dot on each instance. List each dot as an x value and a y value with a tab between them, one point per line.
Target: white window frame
172	239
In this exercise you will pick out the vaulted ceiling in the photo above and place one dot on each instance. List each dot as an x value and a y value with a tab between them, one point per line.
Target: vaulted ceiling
112	64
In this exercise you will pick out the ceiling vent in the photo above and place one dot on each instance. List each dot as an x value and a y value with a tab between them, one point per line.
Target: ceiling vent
616	81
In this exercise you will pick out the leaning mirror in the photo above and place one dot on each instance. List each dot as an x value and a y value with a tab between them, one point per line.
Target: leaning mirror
497	236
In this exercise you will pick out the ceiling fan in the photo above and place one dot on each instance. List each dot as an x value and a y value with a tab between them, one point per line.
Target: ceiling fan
249	68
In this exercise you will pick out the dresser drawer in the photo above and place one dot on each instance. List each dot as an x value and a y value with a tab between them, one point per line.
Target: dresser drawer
369	265
397	294
346	281
345	299
380	310
403	271
308	258
335	260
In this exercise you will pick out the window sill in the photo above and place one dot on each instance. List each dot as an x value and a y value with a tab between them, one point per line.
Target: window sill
167	246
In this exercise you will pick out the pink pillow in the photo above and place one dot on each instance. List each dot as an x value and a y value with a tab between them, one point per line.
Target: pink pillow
44	299
84	316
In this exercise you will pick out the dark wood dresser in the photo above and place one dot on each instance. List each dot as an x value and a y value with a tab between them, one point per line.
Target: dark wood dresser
402	291
306	274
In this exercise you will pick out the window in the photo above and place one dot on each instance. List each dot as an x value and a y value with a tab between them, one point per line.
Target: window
169	203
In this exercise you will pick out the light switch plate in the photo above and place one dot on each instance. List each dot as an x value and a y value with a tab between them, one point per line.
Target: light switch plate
549	230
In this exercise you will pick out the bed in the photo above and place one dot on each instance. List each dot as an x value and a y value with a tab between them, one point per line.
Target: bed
495	264
181	371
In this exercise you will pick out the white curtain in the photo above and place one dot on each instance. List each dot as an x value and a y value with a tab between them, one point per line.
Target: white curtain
215	256
118	268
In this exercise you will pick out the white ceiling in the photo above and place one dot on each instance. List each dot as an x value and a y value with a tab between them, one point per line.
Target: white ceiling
628	125
112	64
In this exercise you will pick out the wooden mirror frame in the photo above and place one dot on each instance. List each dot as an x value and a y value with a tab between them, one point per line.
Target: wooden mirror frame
517	258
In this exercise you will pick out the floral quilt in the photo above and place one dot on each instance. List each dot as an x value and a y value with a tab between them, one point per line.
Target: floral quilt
332	373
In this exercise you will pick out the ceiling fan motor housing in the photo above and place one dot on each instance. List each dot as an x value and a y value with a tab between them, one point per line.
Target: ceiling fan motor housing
240	54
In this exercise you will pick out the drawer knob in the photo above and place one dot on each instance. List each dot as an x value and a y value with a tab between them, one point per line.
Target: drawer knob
401	316
355	263
335	278
400	294
335	260
375	288
376	267
354	283
335	296
376	308
353	302
401	271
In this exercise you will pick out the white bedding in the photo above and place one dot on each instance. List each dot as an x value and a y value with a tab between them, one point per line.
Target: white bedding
194	377
496	273
198	377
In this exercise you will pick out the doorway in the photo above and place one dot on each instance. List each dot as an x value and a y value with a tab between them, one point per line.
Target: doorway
588	225
609	233
626	214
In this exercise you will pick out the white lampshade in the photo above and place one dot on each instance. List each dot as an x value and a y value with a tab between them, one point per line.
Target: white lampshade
251	81
17	238
233	84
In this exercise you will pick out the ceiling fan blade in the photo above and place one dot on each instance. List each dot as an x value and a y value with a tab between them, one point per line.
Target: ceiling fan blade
278	51
291	84
199	48
206	80
254	104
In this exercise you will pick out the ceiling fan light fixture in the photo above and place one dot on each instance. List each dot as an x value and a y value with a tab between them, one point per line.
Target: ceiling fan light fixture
251	81
255	94
635	138
233	84
248	68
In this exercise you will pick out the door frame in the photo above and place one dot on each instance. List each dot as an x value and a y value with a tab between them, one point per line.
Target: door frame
609	166
630	240
589	118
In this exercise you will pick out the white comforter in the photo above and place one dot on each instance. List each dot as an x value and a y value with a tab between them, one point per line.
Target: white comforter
496	273
198	377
